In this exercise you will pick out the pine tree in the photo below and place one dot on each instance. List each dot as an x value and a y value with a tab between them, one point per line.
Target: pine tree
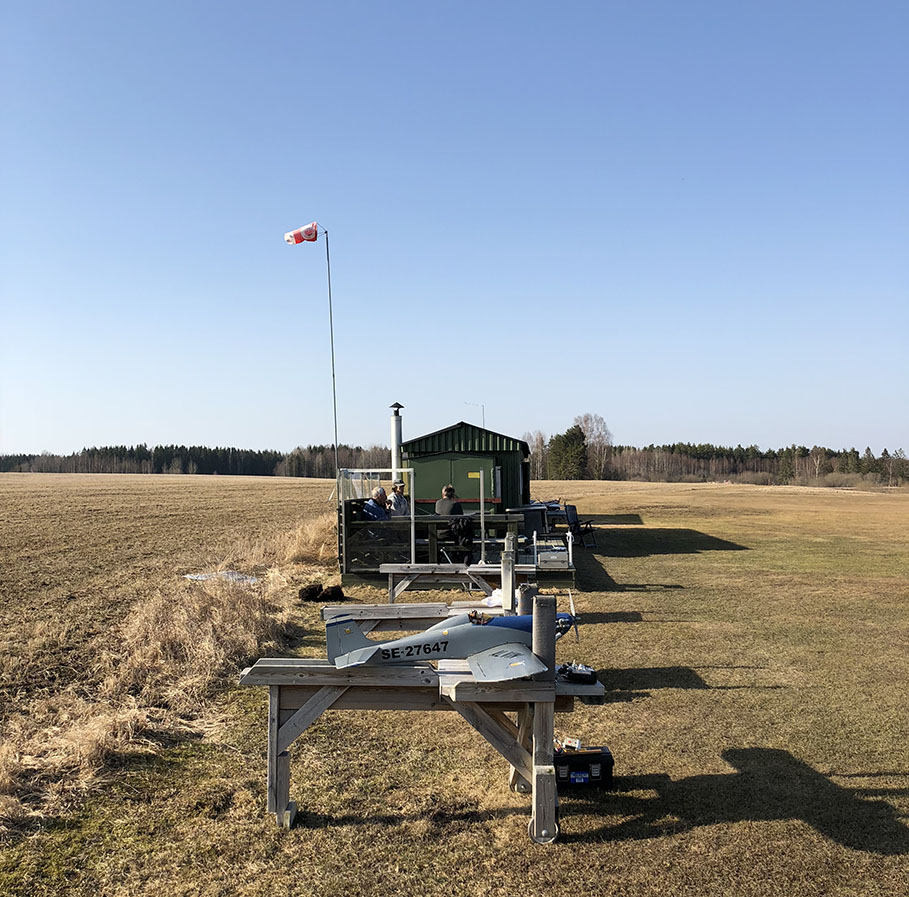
568	455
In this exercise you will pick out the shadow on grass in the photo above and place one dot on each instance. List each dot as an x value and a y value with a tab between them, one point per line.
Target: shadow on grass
616	616
296	636
641	679
639	682
769	784
639	543
614	519
441	819
593	577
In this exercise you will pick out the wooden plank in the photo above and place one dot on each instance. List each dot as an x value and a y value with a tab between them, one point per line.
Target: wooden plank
595	689
480	582
272	756
308	714
544	819
365	698
401	569
461	687
391	699
405	583
497	570
516	781
288	816
380	611
462	607
542	733
505	722
305	672
283	813
501	740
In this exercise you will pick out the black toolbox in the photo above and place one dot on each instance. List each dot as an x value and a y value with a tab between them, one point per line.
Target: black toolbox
590	767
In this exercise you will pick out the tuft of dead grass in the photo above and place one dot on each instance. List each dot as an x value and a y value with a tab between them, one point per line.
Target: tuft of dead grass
52	756
176	648
313	541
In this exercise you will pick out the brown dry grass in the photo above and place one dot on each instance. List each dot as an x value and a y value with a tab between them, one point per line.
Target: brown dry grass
313	541
755	647
150	671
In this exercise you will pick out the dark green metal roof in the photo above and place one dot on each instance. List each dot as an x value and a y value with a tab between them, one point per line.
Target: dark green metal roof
463	437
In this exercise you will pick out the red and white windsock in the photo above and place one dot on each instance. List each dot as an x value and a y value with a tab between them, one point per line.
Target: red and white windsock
308	234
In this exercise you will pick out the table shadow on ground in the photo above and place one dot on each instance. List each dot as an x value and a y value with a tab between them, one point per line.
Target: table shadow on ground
616	616
593	577
637	543
768	784
623	685
614	519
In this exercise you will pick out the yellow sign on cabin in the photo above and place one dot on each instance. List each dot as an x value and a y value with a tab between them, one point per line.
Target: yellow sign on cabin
475	475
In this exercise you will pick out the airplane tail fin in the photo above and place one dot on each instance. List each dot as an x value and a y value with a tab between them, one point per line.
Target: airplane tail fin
342	635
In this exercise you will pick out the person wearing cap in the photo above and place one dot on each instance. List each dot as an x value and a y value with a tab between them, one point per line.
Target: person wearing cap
397	503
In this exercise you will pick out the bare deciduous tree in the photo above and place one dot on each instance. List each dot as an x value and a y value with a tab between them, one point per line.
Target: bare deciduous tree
819	458
599	443
539	452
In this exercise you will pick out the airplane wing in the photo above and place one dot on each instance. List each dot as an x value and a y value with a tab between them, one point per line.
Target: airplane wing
511	661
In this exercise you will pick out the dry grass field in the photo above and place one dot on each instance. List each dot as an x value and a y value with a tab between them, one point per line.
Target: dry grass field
754	644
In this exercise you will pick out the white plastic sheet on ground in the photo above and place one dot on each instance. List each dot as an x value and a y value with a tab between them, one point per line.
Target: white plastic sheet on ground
229	575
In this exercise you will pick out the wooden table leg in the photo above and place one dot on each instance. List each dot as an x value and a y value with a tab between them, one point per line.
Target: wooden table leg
516	781
544	824
279	801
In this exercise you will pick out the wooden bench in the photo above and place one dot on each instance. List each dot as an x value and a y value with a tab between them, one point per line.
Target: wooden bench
402	577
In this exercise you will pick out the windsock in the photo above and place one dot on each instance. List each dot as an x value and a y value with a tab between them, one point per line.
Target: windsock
308	234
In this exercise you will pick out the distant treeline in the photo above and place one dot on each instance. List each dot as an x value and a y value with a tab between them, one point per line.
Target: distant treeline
585	451
311	461
793	464
566	456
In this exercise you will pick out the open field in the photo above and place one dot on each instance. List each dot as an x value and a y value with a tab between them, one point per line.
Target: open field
754	643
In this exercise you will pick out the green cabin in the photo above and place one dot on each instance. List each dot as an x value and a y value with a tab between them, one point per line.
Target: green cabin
456	455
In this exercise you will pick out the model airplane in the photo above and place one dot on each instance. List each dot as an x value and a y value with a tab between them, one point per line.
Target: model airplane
495	648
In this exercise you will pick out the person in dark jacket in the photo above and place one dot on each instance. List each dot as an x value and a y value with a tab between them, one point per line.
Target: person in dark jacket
448	503
460	532
375	508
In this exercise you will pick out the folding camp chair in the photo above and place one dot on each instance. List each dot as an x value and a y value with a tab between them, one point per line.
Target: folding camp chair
582	530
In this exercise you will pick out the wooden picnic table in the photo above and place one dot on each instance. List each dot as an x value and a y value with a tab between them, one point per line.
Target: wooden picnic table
301	689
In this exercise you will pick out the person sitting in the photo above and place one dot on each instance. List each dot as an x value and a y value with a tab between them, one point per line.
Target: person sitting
460	532
397	503
375	508
448	504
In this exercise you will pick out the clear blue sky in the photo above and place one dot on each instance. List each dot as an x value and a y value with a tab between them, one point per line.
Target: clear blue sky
691	218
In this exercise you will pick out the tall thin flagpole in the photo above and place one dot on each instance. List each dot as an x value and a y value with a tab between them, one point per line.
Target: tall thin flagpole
331	330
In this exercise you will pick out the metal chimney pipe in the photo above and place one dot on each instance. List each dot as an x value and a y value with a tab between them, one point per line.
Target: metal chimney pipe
396	440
